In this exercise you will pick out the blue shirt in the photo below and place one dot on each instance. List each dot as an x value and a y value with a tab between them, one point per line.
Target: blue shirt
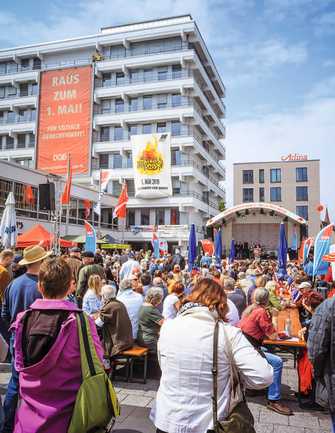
91	302
19	295
133	302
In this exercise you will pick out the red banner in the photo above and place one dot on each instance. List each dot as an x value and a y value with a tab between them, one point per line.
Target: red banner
65	120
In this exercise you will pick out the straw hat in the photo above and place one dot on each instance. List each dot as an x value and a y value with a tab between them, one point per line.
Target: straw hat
34	254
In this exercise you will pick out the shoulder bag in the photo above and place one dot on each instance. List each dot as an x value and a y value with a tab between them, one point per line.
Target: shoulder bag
240	418
96	404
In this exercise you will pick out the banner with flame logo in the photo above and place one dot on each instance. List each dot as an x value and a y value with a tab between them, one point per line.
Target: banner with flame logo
152	165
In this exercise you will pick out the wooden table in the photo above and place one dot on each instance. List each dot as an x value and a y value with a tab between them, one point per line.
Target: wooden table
289	345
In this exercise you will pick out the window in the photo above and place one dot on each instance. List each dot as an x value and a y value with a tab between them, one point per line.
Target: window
174	216
147	102
261	175
176	71
160	217
130	217
117	51
34	89
275	193
145	217
134	75
103	160
248	195
37	63
116	160
31	140
176	100
11	67
301	174
106	79
131	187
176	186
162	74
132	130
161	101
116	188
261	195
24	89
275	175
118	133
175	127
147	74
9	142
119	78
21	141
119	105
133	104
248	176
205	196
128	159
161	127
302	193
104	133
10	117
176	157
25	63
147	128
3	68
2	91
105	106
11	91
302	211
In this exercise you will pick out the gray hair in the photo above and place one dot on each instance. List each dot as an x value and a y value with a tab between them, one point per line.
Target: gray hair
261	296
157	282
125	285
229	283
154	295
108	292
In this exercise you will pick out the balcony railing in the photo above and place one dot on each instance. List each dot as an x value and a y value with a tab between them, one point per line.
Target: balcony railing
152	78
154	106
145	51
18	69
18	119
17	96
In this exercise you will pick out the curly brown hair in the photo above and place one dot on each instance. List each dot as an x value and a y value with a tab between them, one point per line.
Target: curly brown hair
211	294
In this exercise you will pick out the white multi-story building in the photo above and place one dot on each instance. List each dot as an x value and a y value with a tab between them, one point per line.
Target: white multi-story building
154	76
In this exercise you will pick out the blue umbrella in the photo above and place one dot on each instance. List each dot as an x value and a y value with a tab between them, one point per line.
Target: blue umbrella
192	248
282	251
8	232
218	246
232	252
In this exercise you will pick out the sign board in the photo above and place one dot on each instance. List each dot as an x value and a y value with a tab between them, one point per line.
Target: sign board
294	157
152	165
65	120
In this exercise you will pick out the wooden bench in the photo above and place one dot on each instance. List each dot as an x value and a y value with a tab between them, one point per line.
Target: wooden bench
127	358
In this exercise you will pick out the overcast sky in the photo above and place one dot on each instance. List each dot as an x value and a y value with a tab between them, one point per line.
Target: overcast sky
276	58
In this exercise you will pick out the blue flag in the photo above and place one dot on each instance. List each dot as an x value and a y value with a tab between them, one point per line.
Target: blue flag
91	238
321	248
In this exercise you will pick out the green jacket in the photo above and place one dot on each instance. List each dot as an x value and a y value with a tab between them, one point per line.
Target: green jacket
84	275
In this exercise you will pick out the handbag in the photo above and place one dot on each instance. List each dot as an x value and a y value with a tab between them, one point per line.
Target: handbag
240	418
96	403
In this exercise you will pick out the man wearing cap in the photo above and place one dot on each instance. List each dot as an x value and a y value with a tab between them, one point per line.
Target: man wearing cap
89	268
75	263
19	295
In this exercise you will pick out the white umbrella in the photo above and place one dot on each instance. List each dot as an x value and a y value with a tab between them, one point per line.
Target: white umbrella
8	230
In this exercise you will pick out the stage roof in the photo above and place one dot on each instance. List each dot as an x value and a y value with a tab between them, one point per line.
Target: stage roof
246	208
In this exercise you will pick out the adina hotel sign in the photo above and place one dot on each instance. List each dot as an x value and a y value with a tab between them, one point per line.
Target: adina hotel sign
294	157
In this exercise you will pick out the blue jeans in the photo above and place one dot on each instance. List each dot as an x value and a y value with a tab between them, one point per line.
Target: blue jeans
333	421
277	365
12	394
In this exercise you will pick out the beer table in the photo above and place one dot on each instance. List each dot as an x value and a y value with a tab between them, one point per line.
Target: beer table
292	344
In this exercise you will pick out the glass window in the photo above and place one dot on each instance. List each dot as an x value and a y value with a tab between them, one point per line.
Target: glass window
248	195
147	75
2	91
24	89
176	157
119	78
103	160
301	174
162	101
176	100
160	216
105	106
25	63
106	79
128	159
248	176
261	195
12	67
174	216
162	74
302	211
130	217
116	188
175	127
31	140
176	71
132	129
302	193
104	133
275	193
21	141
34	89
147	102
9	142
261	175
32	115
37	63
3	68
134	75
10	116
133	104
118	133
131	187
145	217
116	160
11	90
275	175
161	127
176	186
147	128
117	51
119	105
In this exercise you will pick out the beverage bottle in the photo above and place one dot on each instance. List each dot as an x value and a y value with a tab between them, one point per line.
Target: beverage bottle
288	327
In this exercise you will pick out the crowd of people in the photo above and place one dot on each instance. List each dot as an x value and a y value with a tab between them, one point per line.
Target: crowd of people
158	303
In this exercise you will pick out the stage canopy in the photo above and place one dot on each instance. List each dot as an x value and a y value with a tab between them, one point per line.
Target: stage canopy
38	235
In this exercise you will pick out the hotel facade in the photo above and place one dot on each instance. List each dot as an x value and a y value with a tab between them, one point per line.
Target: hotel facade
152	77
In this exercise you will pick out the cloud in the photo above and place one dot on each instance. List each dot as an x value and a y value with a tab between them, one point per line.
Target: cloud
325	24
323	89
299	10
308	130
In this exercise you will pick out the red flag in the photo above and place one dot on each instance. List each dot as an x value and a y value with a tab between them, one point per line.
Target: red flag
28	194
67	190
87	207
120	210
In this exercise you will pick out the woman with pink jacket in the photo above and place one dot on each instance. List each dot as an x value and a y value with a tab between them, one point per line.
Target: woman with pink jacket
47	354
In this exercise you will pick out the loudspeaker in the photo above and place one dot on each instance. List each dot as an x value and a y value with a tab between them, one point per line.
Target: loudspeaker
46	193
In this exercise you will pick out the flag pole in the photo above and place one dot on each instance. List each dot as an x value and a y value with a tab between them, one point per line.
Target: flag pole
68	204
99	206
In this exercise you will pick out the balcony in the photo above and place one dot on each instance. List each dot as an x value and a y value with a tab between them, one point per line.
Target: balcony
17	124
11	102
19	75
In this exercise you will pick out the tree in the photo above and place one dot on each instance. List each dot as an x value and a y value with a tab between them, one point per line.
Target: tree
222	205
